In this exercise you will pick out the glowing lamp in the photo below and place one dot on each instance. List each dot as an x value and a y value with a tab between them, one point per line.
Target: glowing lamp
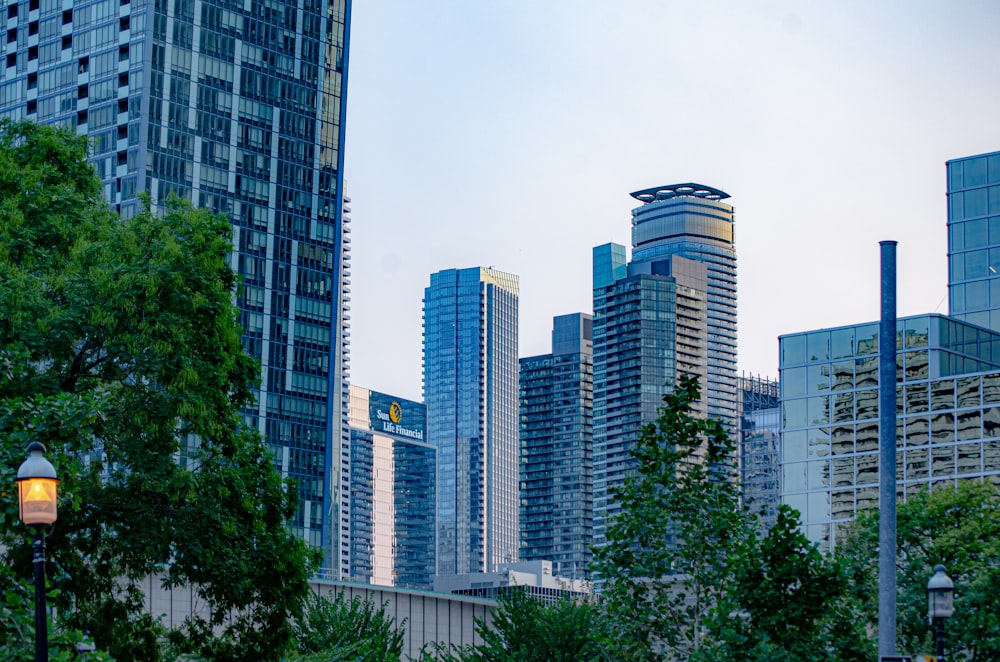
37	488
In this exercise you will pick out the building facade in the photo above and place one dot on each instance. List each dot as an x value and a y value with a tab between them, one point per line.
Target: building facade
557	436
650	326
947	415
392	492
759	434
690	220
238	108
471	394
974	239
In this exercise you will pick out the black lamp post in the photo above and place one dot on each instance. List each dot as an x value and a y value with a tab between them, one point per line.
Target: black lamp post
940	604
37	489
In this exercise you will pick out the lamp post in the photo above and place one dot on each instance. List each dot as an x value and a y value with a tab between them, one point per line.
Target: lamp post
37	488
940	604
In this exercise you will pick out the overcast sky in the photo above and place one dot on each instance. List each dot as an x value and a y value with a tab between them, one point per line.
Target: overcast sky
510	133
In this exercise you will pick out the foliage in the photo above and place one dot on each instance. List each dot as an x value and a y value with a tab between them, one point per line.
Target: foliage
958	527
342	630
524	629
120	350
687	577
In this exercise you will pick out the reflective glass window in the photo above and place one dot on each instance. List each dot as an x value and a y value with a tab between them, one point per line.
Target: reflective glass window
967	391
866	404
843	407
819	410
867	339
956	267
819	442
793	476
867	469
991	421
943	461
867	498
842	343
954	175
976	264
842	506
942	428
793	382
793	350
818	474
916	332
943	394
793	445
977	295
819	508
818	346
994	223
994	199
991	388
842	439
956	237
968	424
916	464
991	456
974	172
916	398
866	438
993	168
967	458
818	377
956	210
866	372
976	205
843	471
843	375
917	431
977	231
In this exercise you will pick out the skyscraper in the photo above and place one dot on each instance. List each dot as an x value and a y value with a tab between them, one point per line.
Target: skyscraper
557	436
690	220
471	394
760	430
238	107
392	492
650	326
974	239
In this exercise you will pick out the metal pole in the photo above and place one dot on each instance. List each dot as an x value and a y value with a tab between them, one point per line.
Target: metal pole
41	625
940	639
887	455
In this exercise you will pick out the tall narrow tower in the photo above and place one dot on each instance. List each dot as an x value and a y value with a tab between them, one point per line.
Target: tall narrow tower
471	394
238	107
690	220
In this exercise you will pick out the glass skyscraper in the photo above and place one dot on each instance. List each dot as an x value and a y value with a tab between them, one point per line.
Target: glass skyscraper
471	394
690	220
392	491
650	326
238	107
557	436
974	239
947	415
759	432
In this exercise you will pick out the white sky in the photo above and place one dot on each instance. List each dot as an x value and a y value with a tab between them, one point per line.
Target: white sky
510	133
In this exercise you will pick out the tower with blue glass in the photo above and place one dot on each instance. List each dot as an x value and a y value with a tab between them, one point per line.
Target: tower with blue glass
471	395
238	107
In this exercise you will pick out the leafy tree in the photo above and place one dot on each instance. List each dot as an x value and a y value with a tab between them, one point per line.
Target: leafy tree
524	629
958	527
687	577
342	630
120	350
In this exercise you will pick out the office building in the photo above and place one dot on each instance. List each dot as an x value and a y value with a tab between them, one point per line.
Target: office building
238	108
557	436
535	578
759	433
471	394
650	327
947	415
690	220
974	239
392	492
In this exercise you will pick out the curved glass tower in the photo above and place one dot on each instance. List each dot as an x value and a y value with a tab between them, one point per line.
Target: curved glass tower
690	220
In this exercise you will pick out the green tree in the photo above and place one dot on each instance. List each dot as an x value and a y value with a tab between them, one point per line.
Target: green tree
120	351
340	630
524	629
958	527
688	577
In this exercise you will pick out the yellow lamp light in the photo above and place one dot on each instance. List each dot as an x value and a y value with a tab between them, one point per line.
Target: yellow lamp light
37	488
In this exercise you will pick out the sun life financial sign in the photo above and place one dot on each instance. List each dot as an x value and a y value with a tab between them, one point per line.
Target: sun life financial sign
392	422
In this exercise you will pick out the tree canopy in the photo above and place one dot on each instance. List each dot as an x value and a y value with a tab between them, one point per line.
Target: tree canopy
120	351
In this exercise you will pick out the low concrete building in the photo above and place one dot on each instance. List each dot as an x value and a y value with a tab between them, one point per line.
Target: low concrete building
534	576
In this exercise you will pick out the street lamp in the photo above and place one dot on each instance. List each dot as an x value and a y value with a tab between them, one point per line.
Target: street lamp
37	489
940	605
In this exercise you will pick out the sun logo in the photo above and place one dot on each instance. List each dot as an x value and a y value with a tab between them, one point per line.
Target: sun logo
395	413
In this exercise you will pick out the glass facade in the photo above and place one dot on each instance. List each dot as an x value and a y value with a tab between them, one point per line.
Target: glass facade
238	107
557	403
759	433
690	220
471	393
650	325
974	239
392	492
947	415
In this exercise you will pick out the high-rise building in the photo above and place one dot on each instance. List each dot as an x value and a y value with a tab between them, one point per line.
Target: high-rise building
471	394
974	239
650	327
759	432
238	107
690	220
947	415
392	492
557	436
